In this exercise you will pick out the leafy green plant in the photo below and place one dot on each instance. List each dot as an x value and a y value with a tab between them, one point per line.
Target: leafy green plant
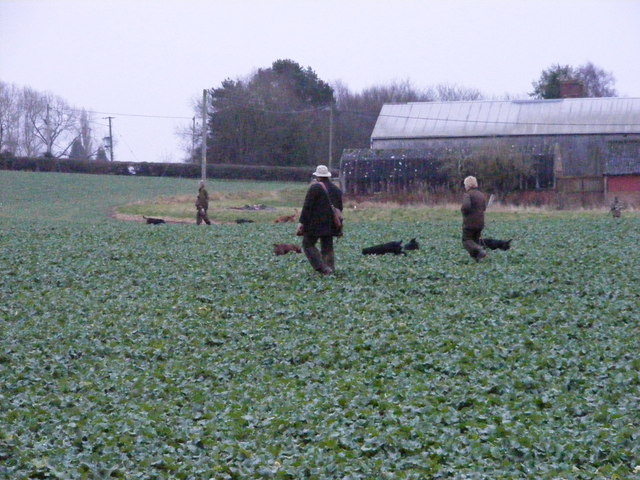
134	351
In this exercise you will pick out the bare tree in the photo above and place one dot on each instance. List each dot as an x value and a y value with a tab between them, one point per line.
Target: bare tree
190	136
9	118
33	123
450	92
53	121
31	102
596	81
357	112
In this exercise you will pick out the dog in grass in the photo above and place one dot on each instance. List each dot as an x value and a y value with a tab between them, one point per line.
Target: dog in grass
494	244
412	245
286	218
384	248
284	248
153	221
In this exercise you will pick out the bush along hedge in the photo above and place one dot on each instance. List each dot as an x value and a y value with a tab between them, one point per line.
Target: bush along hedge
187	170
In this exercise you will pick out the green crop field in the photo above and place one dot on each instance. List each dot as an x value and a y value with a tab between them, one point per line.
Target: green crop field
180	352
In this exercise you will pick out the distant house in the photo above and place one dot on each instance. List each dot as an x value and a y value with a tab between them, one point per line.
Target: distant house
564	139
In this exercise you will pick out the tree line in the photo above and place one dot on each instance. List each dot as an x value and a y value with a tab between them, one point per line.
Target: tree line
286	115
283	115
34	124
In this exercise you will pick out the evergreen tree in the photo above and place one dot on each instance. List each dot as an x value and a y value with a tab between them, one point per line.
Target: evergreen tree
78	151
101	155
273	117
548	86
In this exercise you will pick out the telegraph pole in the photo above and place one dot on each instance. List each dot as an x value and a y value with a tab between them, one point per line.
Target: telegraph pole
204	135
49	142
330	136
193	139
110	138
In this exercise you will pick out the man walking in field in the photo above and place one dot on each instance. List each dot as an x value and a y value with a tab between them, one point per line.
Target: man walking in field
317	221
616	208
473	206
202	205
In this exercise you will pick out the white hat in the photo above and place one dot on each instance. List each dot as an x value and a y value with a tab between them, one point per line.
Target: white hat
322	171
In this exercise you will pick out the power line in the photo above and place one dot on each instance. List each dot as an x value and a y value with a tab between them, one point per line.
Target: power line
169	117
366	114
437	119
96	112
128	146
284	112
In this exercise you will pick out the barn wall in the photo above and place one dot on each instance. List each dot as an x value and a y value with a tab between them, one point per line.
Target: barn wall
366	176
626	188
623	183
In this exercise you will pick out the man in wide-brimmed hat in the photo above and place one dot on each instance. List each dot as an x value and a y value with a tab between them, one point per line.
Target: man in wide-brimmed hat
317	221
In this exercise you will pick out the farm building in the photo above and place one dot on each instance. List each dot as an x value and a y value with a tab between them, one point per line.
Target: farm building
568	143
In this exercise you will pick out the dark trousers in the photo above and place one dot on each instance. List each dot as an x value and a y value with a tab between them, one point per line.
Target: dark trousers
471	240
202	215
323	260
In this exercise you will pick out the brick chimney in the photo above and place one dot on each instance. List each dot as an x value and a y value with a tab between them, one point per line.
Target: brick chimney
571	89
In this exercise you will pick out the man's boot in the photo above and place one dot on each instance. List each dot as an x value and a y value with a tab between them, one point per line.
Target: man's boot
330	260
315	259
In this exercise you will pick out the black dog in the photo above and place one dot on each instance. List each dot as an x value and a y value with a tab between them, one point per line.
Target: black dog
494	244
384	248
153	221
243	220
412	245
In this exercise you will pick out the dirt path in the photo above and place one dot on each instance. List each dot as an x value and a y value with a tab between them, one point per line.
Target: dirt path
113	213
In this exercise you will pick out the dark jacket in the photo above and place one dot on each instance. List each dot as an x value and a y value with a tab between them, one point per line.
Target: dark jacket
473	206
316	215
203	198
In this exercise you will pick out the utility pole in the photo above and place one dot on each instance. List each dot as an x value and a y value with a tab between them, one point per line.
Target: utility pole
110	138
330	136
49	142
193	139
204	135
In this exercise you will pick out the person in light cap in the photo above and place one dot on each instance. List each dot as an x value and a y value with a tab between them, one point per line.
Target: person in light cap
202	205
317	221
473	206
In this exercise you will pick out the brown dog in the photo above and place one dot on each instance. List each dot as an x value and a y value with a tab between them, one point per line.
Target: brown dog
286	218
284	248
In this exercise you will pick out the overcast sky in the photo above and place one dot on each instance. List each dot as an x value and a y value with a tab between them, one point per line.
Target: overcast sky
137	60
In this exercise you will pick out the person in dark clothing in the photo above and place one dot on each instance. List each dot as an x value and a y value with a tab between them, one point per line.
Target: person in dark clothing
316	221
473	206
202	205
616	208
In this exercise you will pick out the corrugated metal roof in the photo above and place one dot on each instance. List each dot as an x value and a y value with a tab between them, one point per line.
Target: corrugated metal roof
574	116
